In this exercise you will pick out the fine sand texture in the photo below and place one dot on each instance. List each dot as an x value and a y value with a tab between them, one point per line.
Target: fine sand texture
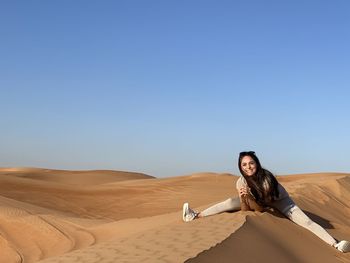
112	216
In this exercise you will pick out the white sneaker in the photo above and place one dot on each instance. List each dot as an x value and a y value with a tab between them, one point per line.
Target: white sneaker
343	246
187	213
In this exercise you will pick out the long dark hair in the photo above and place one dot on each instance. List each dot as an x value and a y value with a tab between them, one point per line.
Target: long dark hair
261	178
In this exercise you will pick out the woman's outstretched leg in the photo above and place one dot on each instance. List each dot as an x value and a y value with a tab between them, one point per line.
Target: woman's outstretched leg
231	204
299	217
295	214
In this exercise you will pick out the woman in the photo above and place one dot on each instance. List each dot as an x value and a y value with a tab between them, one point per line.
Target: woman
259	189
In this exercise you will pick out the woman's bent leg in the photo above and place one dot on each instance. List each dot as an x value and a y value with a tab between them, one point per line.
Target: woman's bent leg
231	204
298	216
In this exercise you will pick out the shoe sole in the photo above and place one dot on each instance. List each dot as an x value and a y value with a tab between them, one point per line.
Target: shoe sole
184	209
345	247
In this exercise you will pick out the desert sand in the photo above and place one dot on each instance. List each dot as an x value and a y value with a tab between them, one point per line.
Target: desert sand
112	216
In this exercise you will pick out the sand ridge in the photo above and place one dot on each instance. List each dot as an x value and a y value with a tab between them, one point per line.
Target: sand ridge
139	219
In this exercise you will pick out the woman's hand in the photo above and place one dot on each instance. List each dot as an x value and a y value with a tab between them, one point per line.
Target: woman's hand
244	191
248	202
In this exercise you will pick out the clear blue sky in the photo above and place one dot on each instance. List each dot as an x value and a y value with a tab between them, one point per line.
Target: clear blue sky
175	87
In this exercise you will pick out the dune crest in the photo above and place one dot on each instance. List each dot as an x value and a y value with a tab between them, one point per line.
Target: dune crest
79	177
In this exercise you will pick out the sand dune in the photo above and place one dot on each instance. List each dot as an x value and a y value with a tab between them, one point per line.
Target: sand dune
45	216
324	197
91	177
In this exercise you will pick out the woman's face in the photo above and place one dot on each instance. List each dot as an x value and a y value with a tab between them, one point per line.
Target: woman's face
248	166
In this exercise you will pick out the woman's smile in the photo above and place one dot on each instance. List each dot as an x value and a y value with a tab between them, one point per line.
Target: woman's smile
248	166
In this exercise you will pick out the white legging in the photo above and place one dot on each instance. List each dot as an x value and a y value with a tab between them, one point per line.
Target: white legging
231	204
294	213
298	216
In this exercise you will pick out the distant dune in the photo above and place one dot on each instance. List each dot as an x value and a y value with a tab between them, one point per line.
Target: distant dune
110	216
89	177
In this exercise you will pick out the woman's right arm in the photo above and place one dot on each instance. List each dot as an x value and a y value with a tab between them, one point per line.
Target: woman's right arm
247	200
242	190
